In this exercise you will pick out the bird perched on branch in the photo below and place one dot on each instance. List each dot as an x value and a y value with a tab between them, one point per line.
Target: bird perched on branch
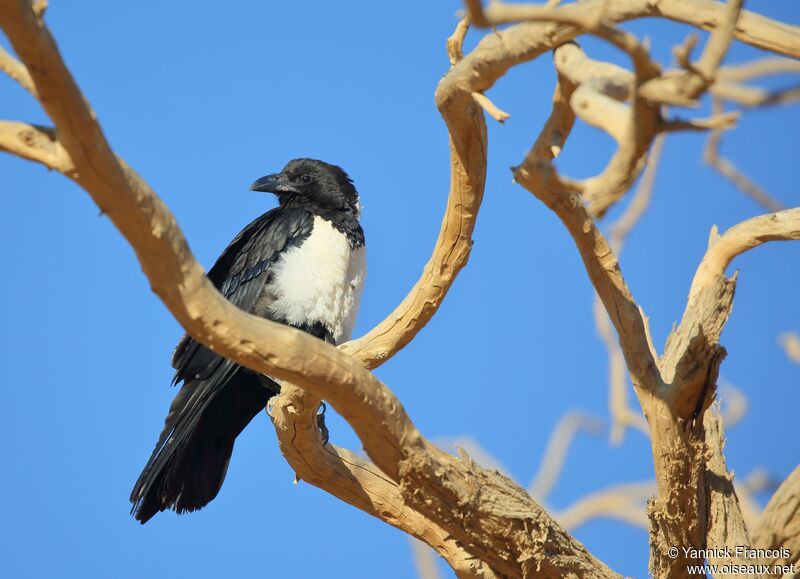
301	264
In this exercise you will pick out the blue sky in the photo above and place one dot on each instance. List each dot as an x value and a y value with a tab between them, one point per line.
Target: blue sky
201	101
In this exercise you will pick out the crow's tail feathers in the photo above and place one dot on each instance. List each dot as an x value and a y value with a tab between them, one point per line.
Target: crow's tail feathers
188	465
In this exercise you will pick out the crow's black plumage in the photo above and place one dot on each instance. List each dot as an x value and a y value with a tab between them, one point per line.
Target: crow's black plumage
302	264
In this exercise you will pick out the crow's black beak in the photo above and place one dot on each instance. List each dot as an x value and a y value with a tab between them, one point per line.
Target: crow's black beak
271	183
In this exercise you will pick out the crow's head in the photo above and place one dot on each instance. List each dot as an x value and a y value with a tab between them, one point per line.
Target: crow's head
311	183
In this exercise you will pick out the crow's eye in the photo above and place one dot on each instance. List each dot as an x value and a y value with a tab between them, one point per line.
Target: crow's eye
306	179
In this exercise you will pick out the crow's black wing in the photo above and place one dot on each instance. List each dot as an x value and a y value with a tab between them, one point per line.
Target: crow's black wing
239	274
174	477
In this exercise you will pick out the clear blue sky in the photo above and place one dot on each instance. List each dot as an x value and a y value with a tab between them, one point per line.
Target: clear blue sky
201	100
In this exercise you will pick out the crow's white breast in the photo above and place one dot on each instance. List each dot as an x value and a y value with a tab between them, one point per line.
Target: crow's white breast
319	281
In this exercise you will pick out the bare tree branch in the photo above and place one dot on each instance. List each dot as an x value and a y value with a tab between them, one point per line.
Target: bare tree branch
633	128
683	87
728	170
455	41
605	77
684	448
757	481
753	97
556	451
780	226
751	28
692	353
748	96
779	526
621	414
424	560
537	175
491	109
756	68
16	70
34	143
624	502
356	481
791	344
734	403
450	255
726	523
717	122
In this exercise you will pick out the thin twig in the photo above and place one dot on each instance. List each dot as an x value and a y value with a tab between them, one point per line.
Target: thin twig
791	345
455	42
625	502
491	109
557	447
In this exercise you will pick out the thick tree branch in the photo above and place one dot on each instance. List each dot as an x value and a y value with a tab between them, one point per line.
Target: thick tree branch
621	414
538	176
672	523
725	522
473	504
450	255
686	447
692	353
781	226
356	481
751	28
682	88
468	146
780	522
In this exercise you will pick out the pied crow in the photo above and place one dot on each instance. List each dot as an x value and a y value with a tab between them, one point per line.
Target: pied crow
302	264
